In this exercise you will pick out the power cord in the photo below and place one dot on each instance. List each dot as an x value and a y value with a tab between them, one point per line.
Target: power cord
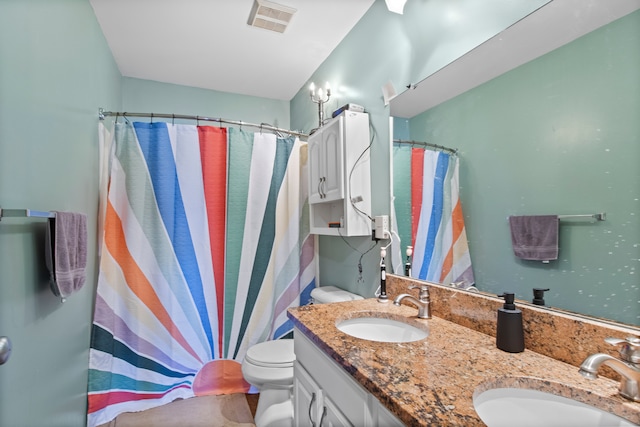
362	254
351	199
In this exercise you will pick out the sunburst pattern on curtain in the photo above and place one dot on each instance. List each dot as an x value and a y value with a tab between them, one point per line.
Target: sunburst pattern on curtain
206	244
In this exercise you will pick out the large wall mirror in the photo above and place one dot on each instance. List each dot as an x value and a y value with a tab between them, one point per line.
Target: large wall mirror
545	122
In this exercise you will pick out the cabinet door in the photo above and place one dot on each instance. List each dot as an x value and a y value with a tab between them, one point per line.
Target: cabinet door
306	398
326	169
316	169
342	397
331	415
332	141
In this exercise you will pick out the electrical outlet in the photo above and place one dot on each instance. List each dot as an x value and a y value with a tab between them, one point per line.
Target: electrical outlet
382	227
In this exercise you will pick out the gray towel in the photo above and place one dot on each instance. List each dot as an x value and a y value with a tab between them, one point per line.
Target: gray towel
535	237
66	252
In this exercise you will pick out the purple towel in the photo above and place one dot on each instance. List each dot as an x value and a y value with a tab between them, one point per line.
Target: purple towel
66	252
535	237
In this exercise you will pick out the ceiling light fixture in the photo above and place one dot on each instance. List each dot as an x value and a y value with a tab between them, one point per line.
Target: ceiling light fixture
395	6
270	16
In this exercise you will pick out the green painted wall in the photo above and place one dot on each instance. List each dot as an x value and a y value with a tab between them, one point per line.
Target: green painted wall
55	71
559	135
400	49
144	96
358	79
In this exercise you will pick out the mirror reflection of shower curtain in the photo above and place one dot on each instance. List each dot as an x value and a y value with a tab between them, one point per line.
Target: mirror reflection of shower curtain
429	213
206	244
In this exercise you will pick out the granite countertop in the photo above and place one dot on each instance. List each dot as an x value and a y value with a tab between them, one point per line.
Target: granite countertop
432	381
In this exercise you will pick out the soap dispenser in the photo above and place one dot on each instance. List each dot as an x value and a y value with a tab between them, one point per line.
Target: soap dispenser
538	296
509	333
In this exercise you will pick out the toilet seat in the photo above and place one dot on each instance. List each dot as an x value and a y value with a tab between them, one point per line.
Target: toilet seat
272	354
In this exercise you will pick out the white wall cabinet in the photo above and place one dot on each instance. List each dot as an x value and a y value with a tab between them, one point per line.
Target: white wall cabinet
340	176
325	395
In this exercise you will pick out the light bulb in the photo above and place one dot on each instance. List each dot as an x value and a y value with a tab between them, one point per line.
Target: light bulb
396	6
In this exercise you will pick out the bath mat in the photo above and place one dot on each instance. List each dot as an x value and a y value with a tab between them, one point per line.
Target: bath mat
231	410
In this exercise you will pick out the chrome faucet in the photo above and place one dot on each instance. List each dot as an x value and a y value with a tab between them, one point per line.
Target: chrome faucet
628	367
423	302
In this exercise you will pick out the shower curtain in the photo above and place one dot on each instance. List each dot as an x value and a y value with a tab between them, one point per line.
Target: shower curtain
206	244
427	203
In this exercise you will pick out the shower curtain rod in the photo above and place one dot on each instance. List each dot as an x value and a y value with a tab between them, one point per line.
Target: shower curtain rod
428	144
102	114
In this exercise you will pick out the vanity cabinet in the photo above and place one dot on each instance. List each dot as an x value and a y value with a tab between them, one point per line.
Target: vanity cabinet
340	176
325	395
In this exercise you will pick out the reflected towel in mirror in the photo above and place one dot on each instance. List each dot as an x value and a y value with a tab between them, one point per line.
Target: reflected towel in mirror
535	237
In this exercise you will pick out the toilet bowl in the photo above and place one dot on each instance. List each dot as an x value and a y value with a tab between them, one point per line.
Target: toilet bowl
268	366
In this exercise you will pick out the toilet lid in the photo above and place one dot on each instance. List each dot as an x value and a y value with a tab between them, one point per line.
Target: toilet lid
274	354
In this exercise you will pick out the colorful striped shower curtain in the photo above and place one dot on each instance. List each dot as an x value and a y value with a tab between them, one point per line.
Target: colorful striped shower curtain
206	244
427	193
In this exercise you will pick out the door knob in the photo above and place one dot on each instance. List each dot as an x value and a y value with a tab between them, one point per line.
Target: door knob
5	349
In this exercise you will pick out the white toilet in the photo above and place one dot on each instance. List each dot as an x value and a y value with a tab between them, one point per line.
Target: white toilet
268	366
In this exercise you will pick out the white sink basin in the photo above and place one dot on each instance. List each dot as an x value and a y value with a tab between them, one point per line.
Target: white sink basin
531	408
381	329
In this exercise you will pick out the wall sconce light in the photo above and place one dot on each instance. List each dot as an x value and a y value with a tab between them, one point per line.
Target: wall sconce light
395	6
320	97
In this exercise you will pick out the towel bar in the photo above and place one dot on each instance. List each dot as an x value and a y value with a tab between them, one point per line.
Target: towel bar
597	216
15	213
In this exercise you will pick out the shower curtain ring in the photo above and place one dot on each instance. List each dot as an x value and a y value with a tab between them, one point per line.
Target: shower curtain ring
173	119
151	119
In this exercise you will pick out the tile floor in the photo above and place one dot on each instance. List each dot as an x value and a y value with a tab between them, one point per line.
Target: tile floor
234	410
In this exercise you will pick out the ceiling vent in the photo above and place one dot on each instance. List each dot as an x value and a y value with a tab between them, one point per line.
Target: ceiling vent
270	16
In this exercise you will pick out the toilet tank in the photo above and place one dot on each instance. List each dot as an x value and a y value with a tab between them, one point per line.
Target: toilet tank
327	294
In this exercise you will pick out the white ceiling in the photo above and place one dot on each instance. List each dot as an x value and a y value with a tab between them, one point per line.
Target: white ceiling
209	44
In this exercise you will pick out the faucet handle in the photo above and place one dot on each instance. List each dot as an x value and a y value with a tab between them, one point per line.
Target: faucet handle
629	350
424	292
